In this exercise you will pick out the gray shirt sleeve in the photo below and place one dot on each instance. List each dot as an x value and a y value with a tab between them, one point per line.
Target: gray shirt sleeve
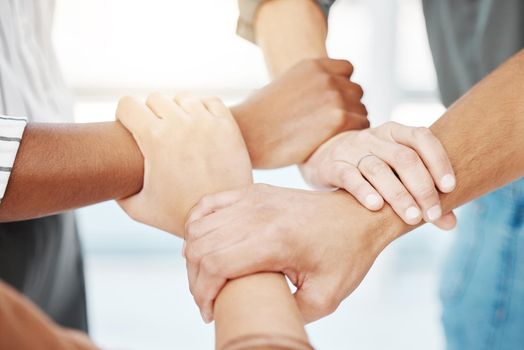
248	10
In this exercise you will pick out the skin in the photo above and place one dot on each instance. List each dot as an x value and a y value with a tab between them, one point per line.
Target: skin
82	164
326	242
317	95
45	334
65	166
392	162
286	38
208	141
203	138
185	148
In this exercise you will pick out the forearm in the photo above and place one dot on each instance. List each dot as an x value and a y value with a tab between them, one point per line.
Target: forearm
289	31
258	312
65	166
483	134
20	318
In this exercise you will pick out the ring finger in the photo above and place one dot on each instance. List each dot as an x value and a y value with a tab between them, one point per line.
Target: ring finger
380	175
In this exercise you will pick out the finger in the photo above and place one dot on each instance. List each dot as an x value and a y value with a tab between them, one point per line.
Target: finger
191	105
213	202
134	115
447	222
432	152
216	107
164	107
215	241
413	174
241	259
349	178
213	221
336	66
351	90
380	175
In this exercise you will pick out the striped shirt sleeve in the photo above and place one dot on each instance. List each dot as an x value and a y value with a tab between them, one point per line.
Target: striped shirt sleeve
11	131
248	8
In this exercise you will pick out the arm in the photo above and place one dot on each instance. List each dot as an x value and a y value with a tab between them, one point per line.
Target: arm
483	136
20	318
289	31
65	166
311	97
191	148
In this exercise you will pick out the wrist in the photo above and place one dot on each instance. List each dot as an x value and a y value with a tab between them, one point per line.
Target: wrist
255	147
380	227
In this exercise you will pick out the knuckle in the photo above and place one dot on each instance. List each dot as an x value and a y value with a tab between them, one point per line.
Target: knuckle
401	196
406	157
363	136
126	101
200	298
348	65
360	91
422	133
153	97
210	266
375	167
192	255
338	118
391	125
213	100
191	231
205	202
364	124
125	104
348	180
426	193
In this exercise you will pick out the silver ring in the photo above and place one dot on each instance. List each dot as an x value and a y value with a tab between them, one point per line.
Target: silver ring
364	157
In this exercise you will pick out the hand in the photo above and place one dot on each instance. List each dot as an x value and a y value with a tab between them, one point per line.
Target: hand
364	163
284	122
325	242
190	148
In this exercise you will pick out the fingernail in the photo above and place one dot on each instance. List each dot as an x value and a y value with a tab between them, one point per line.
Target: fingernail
412	213
372	200
434	213
448	182
184	249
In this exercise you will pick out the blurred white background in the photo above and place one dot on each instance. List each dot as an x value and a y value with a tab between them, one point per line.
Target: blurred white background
137	288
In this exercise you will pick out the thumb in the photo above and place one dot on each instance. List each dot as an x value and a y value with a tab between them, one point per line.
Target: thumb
315	301
447	222
336	66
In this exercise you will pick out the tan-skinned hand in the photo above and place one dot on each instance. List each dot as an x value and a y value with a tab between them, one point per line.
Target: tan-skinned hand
284	122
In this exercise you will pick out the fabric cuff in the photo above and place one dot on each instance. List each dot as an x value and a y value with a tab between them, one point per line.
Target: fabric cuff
11	131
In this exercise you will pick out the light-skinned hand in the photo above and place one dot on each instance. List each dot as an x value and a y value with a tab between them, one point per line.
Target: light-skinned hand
404	166
325	242
190	147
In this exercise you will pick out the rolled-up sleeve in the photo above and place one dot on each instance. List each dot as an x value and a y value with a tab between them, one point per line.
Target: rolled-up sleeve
248	10
11	131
